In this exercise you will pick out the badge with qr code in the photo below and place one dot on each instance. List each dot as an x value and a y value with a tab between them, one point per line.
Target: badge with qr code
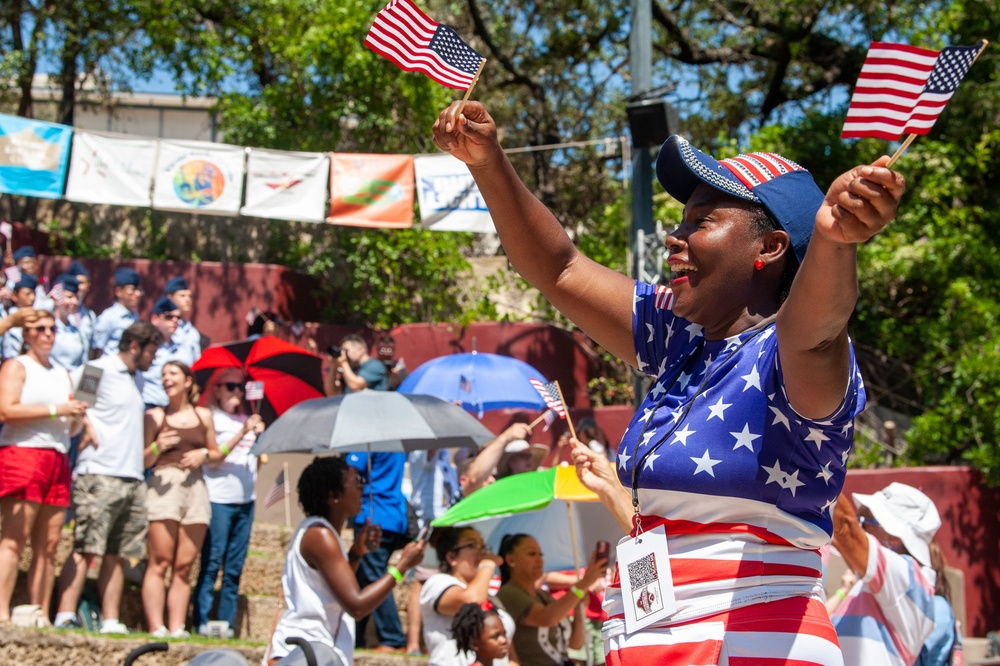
647	586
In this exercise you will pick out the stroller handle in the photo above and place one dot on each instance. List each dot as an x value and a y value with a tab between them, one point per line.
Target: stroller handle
307	649
143	649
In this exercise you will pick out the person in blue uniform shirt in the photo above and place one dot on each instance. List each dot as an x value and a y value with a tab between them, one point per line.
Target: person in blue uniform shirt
179	292
27	262
87	318
23	296
165	316
122	314
71	348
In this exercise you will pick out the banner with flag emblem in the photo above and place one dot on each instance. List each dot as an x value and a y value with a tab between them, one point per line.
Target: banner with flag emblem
903	89
371	190
405	35
286	185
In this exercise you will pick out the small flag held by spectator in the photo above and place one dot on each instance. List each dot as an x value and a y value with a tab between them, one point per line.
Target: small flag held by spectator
406	36
251	316
548	418
6	229
464	385
57	292
13	274
550	393
254	391
903	89
277	491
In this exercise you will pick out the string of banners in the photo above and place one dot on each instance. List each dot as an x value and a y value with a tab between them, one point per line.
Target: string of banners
47	160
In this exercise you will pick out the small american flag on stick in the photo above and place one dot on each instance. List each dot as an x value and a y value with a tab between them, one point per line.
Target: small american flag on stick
406	36
903	89
550	394
13	274
277	491
57	293
254	391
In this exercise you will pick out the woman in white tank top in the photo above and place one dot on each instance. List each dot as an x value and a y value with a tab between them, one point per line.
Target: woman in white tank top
39	415
322	596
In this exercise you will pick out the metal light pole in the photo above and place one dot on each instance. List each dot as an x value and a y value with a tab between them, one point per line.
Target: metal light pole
641	48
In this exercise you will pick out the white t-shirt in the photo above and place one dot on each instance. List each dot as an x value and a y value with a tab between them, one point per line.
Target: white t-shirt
42	386
313	612
117	418
437	627
232	481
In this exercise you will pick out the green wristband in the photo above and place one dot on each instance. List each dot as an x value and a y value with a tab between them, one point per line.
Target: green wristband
225	451
152	447
577	592
395	573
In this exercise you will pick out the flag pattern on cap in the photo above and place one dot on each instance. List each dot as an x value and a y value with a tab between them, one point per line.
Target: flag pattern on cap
755	169
550	394
406	36
903	89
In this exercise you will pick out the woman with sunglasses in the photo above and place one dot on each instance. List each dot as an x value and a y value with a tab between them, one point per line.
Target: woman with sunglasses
181	439
231	492
39	416
466	571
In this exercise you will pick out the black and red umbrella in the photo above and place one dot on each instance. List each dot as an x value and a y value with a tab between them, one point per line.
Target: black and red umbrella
289	373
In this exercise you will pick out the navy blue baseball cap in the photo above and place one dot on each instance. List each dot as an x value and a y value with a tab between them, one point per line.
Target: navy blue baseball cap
77	269
125	277
785	190
26	282
22	252
164	305
69	283
176	284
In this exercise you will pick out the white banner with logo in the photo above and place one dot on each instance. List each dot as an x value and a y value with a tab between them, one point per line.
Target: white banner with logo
448	196
287	186
199	177
114	170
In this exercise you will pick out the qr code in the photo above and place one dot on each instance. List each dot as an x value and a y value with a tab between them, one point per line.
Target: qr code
642	572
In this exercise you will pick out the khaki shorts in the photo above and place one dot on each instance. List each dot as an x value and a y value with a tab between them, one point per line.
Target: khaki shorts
178	494
110	514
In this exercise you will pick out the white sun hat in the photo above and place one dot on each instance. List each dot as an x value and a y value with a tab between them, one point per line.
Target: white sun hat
905	513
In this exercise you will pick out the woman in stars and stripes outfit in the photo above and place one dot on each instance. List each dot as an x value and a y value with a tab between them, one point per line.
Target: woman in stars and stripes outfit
739	450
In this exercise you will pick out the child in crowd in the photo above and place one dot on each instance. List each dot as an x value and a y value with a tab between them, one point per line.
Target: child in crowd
477	628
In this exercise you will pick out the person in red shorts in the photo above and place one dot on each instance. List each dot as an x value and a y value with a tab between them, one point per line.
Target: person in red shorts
39	415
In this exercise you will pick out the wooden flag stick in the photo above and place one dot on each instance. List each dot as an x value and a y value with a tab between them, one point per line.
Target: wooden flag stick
899	151
569	421
909	139
468	92
538	420
288	499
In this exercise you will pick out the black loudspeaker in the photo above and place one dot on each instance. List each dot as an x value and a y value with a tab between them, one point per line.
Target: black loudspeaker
651	122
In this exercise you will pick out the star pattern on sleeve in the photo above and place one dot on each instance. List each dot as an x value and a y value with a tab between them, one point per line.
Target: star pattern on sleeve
705	464
744	438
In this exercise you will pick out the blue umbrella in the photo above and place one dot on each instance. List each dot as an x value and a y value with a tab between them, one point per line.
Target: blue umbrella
481	382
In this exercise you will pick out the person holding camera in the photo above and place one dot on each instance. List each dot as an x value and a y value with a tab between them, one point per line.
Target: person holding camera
353	369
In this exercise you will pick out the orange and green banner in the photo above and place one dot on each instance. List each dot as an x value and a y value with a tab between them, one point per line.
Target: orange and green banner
371	190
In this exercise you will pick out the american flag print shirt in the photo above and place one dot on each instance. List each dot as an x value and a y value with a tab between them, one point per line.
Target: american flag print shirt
744	485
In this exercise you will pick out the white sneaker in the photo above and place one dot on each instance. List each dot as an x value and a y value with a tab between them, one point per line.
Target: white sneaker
180	633
113	627
160	632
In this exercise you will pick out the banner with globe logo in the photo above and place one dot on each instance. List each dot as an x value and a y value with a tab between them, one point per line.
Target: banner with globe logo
199	177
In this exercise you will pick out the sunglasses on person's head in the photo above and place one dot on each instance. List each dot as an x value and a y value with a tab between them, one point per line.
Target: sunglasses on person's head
171	316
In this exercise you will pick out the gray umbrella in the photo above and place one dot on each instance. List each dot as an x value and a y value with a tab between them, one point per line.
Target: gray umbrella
372	421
